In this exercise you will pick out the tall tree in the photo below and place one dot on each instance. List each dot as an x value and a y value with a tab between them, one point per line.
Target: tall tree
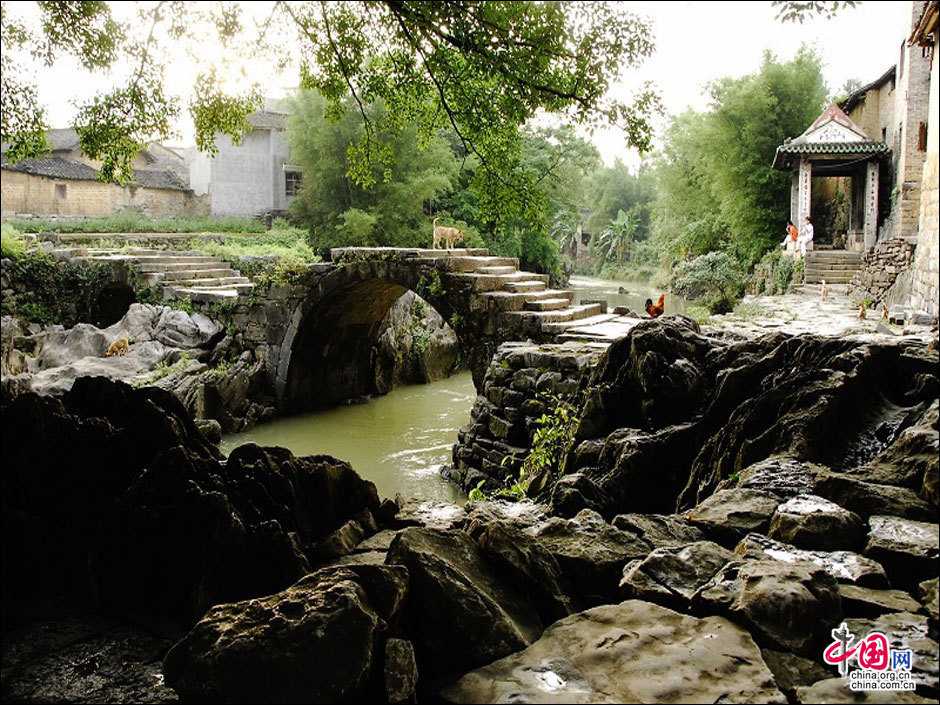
391	211
716	186
481	68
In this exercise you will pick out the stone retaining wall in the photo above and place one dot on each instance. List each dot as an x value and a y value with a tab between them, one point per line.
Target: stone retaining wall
881	266
521	384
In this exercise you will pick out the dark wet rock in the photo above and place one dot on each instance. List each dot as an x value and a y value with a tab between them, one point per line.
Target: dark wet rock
867	498
144	510
660	656
791	606
792	671
67	657
401	671
319	640
526	563
659	530
906	631
907	549
590	551
835	691
347	537
844	566
860	601
574	493
434	515
808	521
460	614
911	460
928	593
728	515
671	576
780	475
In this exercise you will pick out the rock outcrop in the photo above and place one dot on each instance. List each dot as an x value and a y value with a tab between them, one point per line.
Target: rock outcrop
188	354
132	508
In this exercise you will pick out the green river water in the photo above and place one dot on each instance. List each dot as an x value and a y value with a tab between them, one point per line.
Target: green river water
401	440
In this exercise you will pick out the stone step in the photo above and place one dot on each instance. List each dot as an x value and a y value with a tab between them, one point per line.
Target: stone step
496	270
496	282
153	268
187	274
547	304
210	281
813	279
571	313
339	254
592	320
836	267
242	287
516	301
137	237
205	295
525	285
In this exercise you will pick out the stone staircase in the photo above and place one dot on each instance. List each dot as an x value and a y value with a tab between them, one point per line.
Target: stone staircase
178	273
524	299
833	266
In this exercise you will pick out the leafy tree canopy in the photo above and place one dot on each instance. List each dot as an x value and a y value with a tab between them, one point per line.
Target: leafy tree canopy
482	69
716	187
791	11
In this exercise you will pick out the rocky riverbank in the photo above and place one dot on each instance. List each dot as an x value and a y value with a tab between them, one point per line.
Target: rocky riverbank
722	506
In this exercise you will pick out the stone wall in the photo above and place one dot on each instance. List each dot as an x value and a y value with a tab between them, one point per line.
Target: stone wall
881	266
520	385
41	195
925	294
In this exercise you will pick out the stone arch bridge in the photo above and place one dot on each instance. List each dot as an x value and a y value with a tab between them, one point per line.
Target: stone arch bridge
319	333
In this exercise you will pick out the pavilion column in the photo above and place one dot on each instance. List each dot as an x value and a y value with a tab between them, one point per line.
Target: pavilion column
795	196
805	190
871	204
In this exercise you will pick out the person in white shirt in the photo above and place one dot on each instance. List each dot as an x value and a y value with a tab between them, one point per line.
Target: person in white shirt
806	236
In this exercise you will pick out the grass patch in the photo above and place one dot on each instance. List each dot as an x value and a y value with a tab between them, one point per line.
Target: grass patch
749	311
12	243
133	222
278	255
698	313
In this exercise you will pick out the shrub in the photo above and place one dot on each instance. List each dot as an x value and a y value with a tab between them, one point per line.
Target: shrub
12	243
713	279
135	222
775	273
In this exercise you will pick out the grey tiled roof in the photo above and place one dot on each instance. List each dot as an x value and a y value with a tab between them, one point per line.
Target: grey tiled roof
827	148
58	168
268	119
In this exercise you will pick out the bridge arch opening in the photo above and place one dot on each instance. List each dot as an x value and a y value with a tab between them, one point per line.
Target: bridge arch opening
333	356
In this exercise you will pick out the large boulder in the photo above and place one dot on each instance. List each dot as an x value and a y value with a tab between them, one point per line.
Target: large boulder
659	530
144	509
728	515
907	549
791	606
461	614
631	652
858	601
836	691
867	498
671	576
844	566
590	551
321	640
526	563
808	521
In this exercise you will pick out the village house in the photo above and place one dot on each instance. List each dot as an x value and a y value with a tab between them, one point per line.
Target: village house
878	152
65	183
253	177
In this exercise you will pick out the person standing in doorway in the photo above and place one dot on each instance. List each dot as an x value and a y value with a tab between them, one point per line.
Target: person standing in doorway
806	236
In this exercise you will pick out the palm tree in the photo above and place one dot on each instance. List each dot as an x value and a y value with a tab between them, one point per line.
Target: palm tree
616	240
564	230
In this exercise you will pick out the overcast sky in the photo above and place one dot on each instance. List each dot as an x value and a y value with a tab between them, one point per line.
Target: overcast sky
696	42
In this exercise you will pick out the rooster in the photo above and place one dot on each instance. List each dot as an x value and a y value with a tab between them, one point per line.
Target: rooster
658	309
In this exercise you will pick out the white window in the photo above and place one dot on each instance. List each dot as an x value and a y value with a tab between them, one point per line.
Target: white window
292	182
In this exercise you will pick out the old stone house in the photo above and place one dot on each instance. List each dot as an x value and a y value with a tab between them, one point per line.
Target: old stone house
891	110
250	178
925	287
65	183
